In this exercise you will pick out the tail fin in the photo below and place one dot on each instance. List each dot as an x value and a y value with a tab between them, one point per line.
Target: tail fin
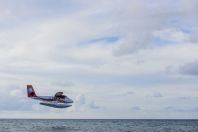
30	91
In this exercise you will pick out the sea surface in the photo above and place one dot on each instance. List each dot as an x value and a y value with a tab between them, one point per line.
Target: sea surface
84	125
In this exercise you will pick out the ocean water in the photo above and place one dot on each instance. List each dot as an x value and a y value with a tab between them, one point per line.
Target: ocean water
84	125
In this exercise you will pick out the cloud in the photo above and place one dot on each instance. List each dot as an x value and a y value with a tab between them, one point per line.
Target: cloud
64	83
136	108
106	40
53	40
79	103
172	35
6	14
145	23
128	93
182	110
190	68
16	93
15	104
189	7
92	105
82	104
157	95
36	107
184	98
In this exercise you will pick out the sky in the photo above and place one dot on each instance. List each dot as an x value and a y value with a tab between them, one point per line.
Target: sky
129	59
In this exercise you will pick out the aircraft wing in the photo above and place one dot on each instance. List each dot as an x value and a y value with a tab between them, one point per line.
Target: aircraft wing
55	104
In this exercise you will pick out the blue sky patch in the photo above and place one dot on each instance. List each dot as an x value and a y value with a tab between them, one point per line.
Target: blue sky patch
158	42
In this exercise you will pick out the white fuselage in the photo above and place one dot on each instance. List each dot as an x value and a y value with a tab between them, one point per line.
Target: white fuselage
54	102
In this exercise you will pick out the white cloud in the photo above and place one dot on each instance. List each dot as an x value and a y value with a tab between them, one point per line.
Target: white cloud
157	95
92	105
189	68
173	35
16	93
136	108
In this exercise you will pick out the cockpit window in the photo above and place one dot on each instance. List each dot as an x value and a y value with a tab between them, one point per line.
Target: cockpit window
59	95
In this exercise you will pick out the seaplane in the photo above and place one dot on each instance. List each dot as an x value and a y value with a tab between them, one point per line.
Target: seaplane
59	100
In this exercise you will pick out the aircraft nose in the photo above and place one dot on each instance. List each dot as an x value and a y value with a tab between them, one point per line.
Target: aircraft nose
69	100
